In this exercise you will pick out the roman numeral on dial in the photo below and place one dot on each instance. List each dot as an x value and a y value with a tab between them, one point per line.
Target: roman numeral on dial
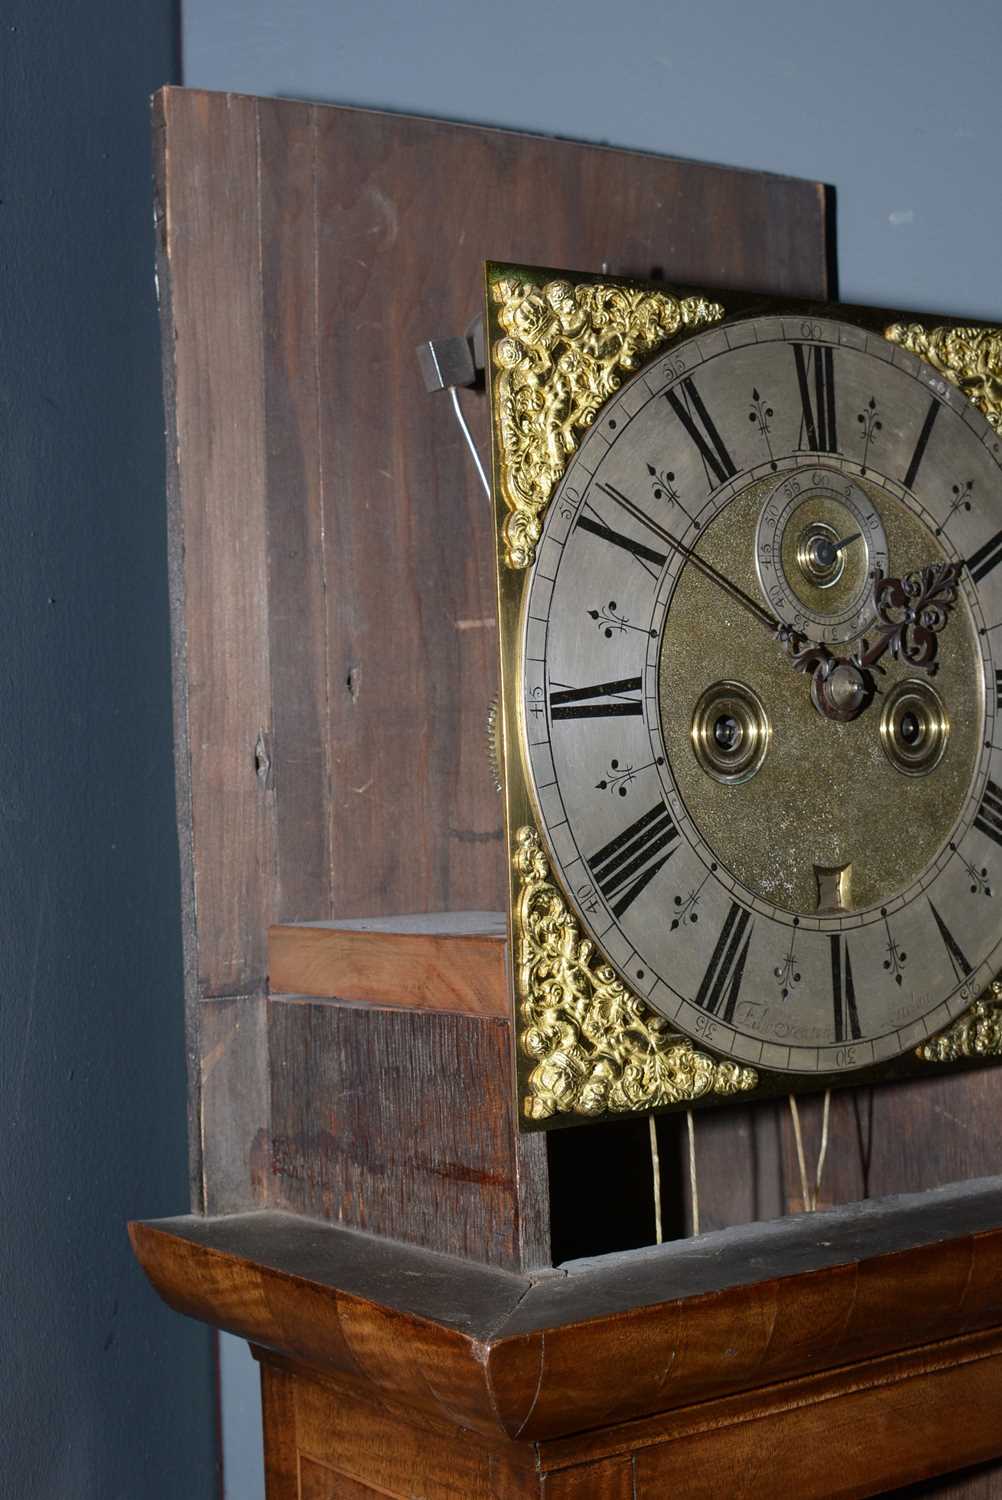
816	380
981	563
617	539
920	446
957	957
989	815
606	700
847	1027
698	423
624	866
721	983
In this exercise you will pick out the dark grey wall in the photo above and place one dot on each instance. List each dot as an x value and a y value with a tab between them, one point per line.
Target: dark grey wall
105	1394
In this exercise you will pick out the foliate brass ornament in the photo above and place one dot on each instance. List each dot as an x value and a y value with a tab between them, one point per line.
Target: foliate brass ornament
564	352
912	611
596	1047
970	358
978	1032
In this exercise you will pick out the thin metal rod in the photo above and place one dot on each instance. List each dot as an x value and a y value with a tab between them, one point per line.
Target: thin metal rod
707	569
693	1181
468	435
656	1174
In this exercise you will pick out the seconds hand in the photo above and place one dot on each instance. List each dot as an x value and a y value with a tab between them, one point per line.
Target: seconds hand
707	569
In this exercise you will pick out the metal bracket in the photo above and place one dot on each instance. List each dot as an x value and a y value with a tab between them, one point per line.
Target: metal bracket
450	365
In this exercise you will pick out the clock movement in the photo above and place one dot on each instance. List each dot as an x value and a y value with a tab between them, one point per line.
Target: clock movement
750	584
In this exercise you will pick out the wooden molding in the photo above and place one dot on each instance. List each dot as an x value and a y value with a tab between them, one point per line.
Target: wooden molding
859	1308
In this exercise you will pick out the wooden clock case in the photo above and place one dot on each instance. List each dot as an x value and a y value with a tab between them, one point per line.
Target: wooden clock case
443	1305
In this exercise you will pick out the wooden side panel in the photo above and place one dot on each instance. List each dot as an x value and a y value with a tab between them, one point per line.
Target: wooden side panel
235	1102
298	246
218	534
364	1134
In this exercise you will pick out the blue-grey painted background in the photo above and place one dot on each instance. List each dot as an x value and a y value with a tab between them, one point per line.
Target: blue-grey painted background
104	1393
894	102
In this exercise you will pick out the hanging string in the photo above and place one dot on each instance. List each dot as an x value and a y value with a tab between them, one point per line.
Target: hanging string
823	1152
805	1195
693	1184
810	1198
656	1173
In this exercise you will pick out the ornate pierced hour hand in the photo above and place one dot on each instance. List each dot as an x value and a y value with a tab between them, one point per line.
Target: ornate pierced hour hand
912	611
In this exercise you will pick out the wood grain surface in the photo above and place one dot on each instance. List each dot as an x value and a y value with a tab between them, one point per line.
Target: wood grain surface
364	1133
439	963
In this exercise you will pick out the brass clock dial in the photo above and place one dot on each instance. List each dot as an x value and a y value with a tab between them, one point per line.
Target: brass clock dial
780	826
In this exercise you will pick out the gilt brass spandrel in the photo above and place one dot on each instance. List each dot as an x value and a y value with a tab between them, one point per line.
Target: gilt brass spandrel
969	357
594	1047
559	349
976	1034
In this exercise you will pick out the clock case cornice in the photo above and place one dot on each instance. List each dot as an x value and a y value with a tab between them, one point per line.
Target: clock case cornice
559	344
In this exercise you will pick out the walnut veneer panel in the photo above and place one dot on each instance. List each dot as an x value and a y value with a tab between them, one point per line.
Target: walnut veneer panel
823	1357
452	962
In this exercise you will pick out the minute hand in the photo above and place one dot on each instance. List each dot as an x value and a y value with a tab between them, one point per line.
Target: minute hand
707	569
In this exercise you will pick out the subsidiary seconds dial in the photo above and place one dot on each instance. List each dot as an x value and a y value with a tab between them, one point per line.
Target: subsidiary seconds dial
801	891
818	545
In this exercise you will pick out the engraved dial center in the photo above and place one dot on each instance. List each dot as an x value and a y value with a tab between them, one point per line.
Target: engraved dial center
835	788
